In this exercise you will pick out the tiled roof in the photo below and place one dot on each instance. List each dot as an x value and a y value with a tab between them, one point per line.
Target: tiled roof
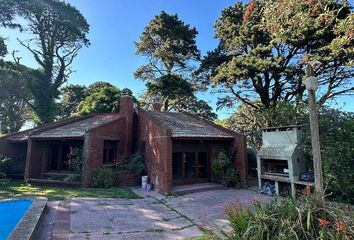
78	128
185	125
19	136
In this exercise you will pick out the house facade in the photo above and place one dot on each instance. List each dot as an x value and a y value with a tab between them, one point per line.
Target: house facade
177	147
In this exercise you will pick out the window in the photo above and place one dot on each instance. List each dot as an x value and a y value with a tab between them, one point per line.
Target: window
110	151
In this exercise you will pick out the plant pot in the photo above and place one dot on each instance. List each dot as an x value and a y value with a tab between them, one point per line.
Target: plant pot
149	187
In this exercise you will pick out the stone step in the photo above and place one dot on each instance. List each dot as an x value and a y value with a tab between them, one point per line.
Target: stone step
54	182
193	188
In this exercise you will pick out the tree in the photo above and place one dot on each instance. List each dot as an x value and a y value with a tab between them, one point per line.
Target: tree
189	104
71	97
59	31
7	14
169	46
14	96
265	44
101	97
249	120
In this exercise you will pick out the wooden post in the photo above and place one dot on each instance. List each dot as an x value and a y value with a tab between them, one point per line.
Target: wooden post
311	86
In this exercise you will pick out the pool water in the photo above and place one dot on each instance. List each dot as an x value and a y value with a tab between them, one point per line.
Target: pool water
11	213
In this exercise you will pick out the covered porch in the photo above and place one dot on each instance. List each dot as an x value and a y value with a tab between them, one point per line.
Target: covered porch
48	159
191	159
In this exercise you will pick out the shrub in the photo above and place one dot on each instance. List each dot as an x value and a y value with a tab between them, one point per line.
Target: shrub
336	130
305	218
231	178
116	177
3	179
102	177
133	163
76	160
337	141
11	166
223	170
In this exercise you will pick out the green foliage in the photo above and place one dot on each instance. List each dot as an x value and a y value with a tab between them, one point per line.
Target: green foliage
223	170
10	166
264	46
135	163
168	41
7	15
18	189
101	97
76	159
3	179
187	103
58	31
337	140
305	218
71	97
170	48
3	48
102	177
14	96
250	121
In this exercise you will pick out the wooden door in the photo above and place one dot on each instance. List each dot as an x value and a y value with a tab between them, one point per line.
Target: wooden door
190	167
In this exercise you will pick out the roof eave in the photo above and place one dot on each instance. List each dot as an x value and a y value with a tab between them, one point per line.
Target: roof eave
202	137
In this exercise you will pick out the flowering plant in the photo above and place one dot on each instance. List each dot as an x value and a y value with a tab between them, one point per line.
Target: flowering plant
309	217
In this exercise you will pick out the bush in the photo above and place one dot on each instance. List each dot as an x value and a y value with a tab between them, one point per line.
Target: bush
76	160
133	163
231	178
3	179
11	166
336	130
305	218
102	177
223	170
117	180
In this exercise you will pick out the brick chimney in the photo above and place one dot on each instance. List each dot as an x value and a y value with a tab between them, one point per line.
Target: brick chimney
126	104
126	110
156	104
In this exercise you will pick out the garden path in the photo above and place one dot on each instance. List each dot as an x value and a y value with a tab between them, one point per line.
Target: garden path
154	217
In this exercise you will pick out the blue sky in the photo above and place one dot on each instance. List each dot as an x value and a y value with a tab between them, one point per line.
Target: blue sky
115	25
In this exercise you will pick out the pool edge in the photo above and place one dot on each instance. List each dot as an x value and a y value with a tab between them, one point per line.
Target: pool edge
27	227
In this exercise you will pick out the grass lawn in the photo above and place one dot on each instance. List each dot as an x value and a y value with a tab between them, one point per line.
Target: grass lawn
20	189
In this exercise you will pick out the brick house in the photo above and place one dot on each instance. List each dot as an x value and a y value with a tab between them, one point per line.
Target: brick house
177	147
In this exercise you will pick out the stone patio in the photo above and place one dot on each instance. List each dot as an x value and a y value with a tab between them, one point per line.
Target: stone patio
153	217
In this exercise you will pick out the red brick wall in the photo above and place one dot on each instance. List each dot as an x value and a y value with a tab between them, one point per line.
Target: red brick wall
12	150
158	152
239	148
37	155
119	130
94	141
126	106
128	178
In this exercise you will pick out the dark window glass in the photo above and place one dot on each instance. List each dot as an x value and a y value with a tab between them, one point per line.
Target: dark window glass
110	151
177	166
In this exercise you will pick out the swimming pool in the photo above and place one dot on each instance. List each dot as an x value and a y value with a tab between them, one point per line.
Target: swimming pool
11	213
